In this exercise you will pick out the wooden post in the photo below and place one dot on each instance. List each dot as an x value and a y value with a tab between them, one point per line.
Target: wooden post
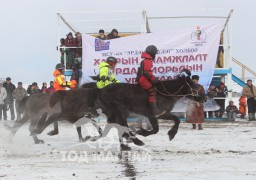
243	73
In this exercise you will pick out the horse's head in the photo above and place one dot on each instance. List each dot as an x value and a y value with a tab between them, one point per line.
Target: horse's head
181	86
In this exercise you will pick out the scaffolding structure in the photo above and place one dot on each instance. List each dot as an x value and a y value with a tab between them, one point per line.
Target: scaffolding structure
132	22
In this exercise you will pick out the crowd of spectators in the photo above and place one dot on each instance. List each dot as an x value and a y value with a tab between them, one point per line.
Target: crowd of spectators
10	96
71	48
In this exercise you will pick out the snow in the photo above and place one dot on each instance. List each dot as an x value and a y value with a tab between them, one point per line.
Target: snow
221	151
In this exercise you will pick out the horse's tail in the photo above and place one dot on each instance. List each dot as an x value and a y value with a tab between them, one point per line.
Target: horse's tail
22	104
93	95
56	97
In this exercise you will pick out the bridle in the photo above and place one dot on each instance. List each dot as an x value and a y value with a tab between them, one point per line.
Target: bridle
193	92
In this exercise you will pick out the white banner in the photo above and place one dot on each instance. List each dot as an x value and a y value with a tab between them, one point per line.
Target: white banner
194	48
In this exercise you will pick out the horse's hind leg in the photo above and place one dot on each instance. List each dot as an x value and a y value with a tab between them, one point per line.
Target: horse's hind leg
55	130
41	126
81	139
154	124
18	124
32	127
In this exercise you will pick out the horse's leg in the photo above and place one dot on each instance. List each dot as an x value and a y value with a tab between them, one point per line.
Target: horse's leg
18	124
124	129
42	125
55	131
79	132
97	126
32	127
175	128
154	123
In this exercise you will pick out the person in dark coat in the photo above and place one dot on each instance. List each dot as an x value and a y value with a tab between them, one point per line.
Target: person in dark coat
33	89
211	94
50	90
113	34
250	92
101	35
8	102
195	110
232	111
222	92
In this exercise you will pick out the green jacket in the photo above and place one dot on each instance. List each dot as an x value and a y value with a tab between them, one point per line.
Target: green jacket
105	70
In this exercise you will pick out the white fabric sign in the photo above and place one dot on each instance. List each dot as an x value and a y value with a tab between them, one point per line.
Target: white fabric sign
194	48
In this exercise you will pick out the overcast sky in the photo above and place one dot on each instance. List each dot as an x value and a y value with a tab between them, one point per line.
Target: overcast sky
29	31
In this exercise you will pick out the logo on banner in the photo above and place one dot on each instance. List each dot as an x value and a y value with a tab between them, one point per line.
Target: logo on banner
101	45
198	36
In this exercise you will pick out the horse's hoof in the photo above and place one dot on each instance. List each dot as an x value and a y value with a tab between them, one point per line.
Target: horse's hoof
85	139
53	132
95	138
39	141
124	148
171	135
142	132
138	142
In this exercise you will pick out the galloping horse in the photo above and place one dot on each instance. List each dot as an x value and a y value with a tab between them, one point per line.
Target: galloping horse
120	99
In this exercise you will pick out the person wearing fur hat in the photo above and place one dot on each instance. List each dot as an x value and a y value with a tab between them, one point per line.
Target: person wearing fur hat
250	92
195	110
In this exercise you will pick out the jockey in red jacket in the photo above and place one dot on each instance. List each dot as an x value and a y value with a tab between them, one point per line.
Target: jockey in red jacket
147	78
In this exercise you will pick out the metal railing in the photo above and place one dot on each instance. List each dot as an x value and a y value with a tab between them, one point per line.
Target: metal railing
244	68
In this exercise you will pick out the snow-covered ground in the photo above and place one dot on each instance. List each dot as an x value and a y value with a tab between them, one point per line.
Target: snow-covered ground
221	151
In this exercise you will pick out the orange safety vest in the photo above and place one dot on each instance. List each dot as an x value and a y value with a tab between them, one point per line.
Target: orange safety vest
59	81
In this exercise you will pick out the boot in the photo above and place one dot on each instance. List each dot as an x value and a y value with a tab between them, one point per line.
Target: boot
200	127
155	110
193	126
250	116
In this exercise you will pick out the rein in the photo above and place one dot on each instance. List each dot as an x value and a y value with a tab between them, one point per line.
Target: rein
175	94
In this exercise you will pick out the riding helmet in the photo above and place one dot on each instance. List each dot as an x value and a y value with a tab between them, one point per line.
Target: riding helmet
60	66
152	51
111	59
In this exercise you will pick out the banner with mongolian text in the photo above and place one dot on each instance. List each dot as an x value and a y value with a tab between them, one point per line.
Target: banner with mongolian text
194	48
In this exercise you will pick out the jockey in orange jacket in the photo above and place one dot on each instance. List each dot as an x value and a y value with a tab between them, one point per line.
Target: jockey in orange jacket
59	81
146	78
60	84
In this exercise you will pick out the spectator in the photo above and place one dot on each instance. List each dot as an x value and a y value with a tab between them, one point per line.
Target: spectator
70	42
231	110
18	94
211	94
78	61
33	89
3	95
78	44
250	92
44	88
113	34
63	51
101	35
75	73
242	106
50	90
222	92
195	110
9	99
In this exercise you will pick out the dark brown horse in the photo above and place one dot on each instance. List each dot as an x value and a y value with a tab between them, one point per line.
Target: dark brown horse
119	100
34	106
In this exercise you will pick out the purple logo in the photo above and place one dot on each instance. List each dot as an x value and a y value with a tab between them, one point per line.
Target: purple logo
101	45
